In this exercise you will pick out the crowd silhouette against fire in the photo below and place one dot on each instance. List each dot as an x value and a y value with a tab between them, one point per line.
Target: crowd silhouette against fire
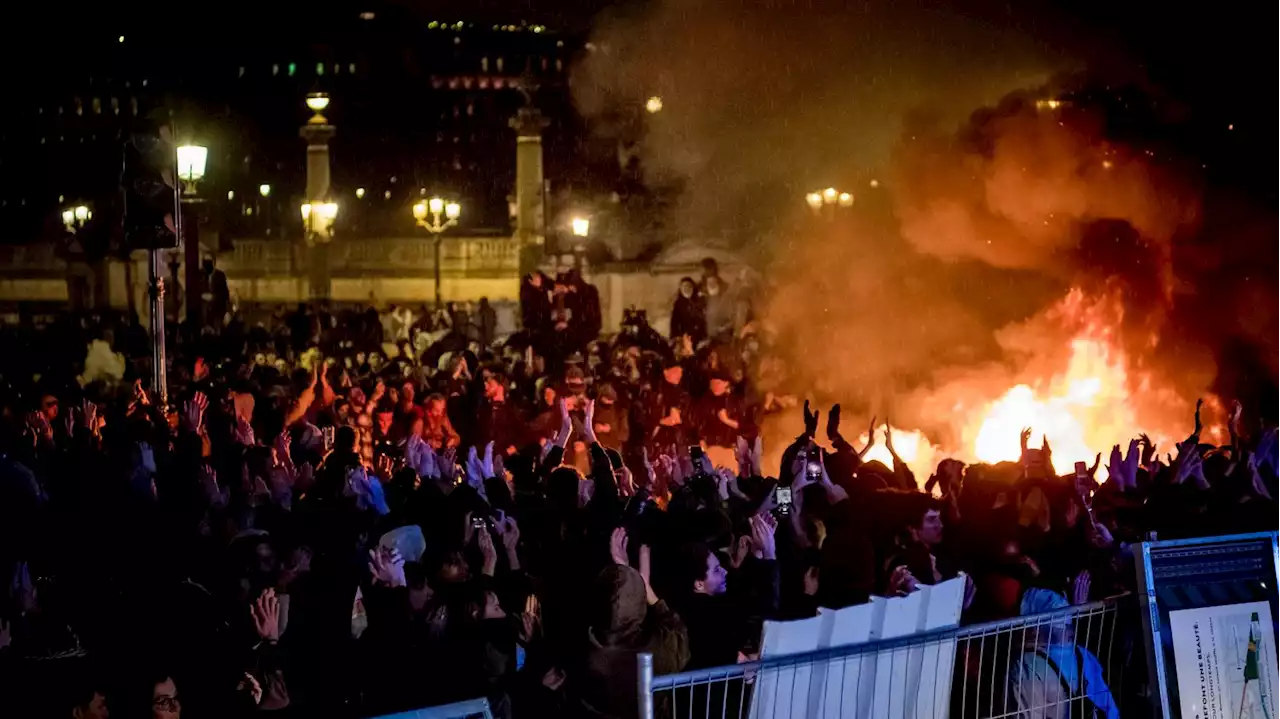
350	513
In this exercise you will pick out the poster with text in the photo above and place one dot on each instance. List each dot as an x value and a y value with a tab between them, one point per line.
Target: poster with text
1225	658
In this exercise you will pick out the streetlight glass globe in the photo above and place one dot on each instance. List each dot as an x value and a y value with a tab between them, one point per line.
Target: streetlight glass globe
846	199
191	162
68	217
581	226
82	213
264	190
453	210
327	210
436	205
306	211
829	195
814	199
317	102
359	193
420	211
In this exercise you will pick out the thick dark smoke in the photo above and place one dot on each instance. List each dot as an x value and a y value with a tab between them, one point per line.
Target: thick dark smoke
762	99
987	204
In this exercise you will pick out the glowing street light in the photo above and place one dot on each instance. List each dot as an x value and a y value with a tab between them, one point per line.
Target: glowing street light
653	105
75	217
829	197
264	190
317	102
359	193
191	166
581	226
435	207
319	218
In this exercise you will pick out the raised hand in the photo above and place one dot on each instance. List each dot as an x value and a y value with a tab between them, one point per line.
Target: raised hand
193	412
488	554
833	423
447	464
888	437
651	476
1258	486
510	533
589	422
530	618
387	566
811	582
265	612
810	421
618	547
1024	439
763	527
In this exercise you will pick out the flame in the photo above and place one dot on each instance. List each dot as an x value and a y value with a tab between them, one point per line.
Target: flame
1066	376
1084	404
912	446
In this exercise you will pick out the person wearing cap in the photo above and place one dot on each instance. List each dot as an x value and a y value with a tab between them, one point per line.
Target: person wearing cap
612	428
667	408
719	414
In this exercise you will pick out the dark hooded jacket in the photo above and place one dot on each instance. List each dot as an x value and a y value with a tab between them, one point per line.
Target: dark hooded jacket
623	625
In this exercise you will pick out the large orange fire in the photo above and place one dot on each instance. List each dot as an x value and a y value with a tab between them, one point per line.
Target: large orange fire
1083	397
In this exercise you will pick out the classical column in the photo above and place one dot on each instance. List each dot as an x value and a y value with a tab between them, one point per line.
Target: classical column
317	133
530	223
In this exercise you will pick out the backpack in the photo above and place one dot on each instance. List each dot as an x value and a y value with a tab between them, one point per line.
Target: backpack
1089	708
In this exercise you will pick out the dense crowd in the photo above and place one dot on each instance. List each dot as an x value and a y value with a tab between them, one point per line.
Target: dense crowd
354	515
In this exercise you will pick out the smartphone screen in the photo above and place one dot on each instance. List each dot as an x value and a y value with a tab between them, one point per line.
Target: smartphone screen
783	496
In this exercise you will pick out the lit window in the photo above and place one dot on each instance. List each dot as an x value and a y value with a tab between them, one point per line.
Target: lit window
559	65
241	71
337	69
97	106
351	68
471	109
275	69
499	64
293	69
484	64
319	68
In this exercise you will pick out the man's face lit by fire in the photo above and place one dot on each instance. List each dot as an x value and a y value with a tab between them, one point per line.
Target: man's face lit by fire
715	582
673	375
930	531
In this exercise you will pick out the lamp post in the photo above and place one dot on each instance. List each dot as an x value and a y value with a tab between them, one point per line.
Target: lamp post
435	207
192	162
317	132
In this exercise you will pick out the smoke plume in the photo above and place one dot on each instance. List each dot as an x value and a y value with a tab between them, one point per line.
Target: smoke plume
987	180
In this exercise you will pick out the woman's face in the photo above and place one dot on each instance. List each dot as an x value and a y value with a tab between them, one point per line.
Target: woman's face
164	700
686	289
436	408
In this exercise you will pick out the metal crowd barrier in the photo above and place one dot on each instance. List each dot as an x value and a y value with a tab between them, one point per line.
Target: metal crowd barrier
1058	665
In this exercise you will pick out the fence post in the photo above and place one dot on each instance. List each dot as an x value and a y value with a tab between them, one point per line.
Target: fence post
644	684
